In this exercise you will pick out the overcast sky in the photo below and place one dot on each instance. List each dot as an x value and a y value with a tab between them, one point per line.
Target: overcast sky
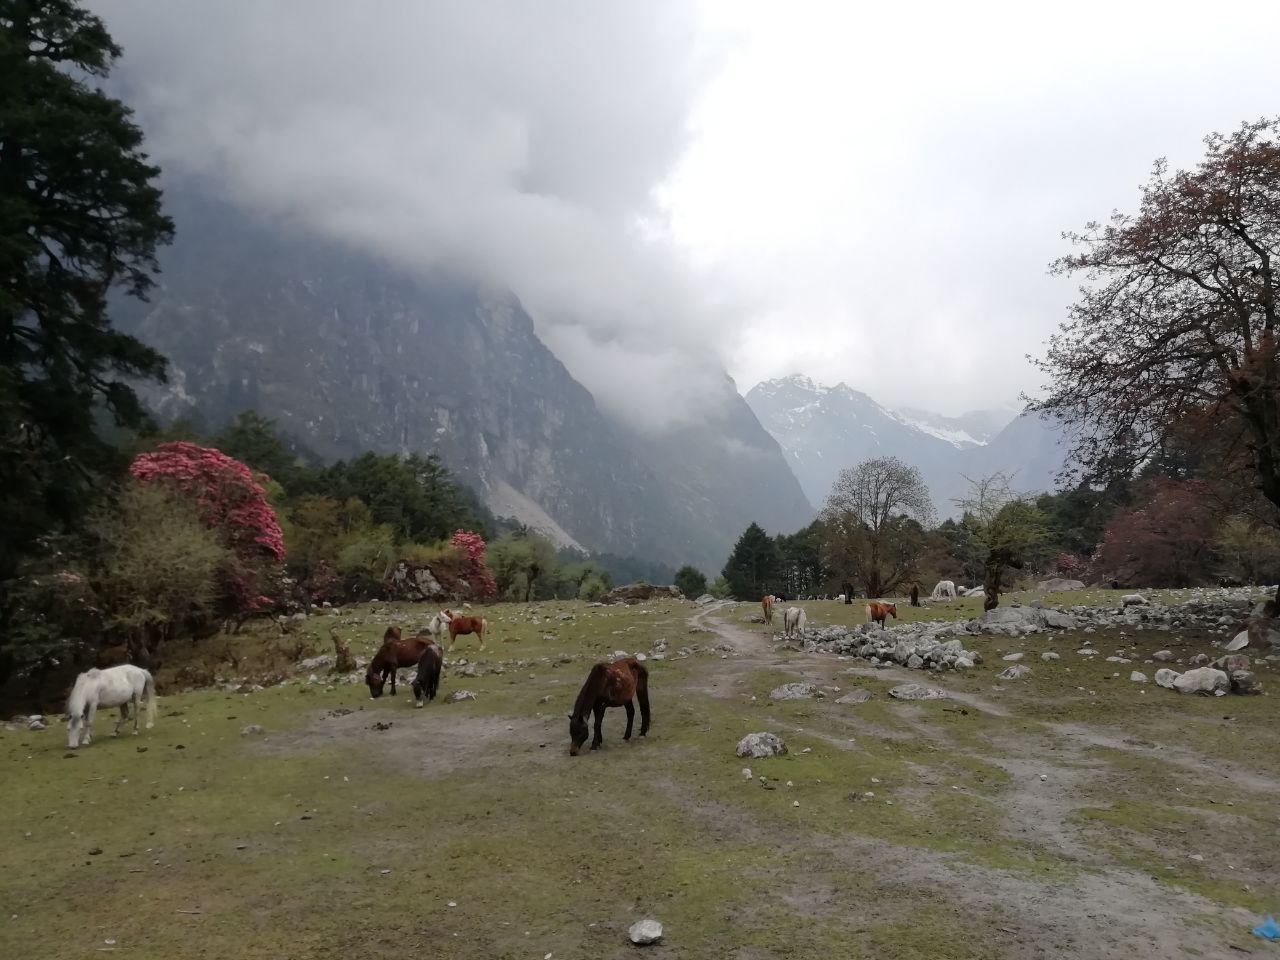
671	188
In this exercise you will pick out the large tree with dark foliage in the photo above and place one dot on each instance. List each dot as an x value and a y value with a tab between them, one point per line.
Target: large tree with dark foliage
1178	318
752	568
79	215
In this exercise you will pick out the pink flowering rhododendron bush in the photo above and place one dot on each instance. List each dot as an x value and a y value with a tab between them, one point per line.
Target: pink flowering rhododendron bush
474	570
232	502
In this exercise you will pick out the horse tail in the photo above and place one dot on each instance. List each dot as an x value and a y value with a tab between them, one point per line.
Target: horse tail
149	694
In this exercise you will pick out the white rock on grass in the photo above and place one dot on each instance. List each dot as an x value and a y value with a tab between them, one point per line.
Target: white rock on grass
459	695
644	932
1133	600
857	695
1013	657
1164	656
794	691
1202	680
760	745
1137	676
1238	642
1165	677
1049	655
1015	672
917	691
252	730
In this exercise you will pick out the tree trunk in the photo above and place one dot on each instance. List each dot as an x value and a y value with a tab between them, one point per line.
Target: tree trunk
991	586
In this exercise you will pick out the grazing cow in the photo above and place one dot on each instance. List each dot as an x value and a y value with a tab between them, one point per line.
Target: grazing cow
793	622
877	612
915	594
766	604
944	590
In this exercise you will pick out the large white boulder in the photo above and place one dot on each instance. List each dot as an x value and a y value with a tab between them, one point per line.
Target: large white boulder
1202	680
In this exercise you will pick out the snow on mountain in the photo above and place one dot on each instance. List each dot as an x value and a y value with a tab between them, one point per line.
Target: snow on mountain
824	429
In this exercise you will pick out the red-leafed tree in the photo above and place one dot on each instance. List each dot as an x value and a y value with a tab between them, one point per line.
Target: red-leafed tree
474	569
1178	318
231	501
1165	542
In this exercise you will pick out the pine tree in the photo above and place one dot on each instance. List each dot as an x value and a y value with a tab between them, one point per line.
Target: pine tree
80	216
752	570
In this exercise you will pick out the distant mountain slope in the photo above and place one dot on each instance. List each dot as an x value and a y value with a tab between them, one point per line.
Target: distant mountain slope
825	429
351	355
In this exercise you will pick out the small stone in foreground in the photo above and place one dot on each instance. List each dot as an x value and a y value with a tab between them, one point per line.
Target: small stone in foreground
793	691
857	695
645	931
251	730
459	695
1014	672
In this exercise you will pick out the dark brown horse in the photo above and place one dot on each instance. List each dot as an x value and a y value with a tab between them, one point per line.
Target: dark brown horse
459	625
391	656
915	594
427	682
609	685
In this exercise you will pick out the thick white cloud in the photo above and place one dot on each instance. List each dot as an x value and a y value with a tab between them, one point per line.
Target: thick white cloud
865	194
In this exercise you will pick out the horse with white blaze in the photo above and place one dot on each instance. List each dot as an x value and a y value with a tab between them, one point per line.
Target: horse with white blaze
121	687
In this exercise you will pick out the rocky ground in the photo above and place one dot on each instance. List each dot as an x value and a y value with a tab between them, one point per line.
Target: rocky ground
1066	809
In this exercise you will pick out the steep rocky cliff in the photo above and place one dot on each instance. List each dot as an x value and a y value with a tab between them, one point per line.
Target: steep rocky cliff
349	354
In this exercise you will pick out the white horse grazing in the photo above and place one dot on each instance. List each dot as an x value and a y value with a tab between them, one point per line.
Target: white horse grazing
792	622
115	687
944	590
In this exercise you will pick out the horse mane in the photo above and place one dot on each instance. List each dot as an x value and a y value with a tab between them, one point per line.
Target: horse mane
80	693
591	688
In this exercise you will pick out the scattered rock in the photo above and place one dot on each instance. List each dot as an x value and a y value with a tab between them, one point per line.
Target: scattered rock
917	691
1244	682
252	730
95	851
36	724
1057	584
640	591
644	932
1199	660
1015	672
1202	680
857	695
1133	600
793	691
703	600
1165	677
1049	655
1137	676
1231	663
1013	657
1164	656
760	745
1238	642
459	695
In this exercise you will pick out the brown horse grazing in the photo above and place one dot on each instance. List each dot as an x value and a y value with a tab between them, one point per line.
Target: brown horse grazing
766	604
609	685
915	594
877	612
427	682
459	625
391	656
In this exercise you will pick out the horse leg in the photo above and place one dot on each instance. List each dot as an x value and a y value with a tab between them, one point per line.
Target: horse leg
631	715
87	736
599	737
137	711
393	672
642	694
124	715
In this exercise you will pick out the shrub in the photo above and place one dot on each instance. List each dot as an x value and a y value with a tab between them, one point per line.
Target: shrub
233	503
474	570
592	589
365	559
691	581
160	567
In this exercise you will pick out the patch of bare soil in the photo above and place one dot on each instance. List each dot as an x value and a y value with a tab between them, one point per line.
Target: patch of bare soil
431	742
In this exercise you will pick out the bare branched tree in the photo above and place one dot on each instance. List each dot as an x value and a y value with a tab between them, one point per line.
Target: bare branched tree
874	521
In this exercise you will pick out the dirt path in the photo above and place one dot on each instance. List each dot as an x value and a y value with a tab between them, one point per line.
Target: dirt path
1102	910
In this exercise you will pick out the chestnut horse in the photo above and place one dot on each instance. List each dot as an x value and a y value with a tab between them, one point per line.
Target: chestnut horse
877	612
610	685
459	625
392	655
766	604
427	682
